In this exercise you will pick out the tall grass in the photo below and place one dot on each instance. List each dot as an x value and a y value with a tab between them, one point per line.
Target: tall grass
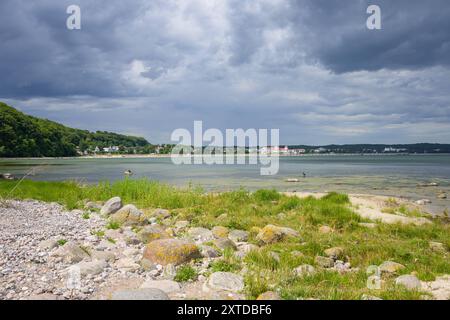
244	210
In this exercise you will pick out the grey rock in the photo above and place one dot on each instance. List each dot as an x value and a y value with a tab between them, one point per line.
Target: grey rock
238	235
200	234
224	244
71	253
324	262
140	294
410	282
168	286
209	252
304	270
48	244
111	206
91	267
226	281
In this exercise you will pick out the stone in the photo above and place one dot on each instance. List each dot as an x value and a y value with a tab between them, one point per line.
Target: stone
105	245
181	224
168	286
238	235
127	264
334	252
171	251
102	255
111	206
152	232
128	215
325	229
200	234
161	214
71	253
423	202
48	244
224	243
226	281
297	254
92	205
220	232
390	267
140	294
410	282
275	256
437	247
324	262
113	234
442	196
91	267
304	270
209	252
272	234
269	295
369	297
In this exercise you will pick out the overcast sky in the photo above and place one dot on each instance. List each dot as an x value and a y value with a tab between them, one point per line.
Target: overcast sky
308	67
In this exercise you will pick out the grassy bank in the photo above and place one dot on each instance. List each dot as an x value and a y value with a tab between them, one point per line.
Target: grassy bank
408	245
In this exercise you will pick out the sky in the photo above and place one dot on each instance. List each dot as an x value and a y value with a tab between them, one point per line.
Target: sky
310	68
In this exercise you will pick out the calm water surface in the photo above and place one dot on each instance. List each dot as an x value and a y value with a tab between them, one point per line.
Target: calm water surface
381	174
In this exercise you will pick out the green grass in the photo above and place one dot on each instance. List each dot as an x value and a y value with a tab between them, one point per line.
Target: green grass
61	242
408	245
185	273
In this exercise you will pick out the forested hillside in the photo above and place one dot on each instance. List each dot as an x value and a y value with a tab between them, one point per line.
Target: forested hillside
26	136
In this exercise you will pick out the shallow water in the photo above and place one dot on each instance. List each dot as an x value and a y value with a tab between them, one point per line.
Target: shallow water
393	175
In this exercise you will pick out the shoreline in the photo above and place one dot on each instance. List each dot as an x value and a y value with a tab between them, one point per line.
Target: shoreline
163	156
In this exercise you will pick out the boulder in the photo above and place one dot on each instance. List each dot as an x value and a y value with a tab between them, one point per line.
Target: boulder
200	234
226	281
272	234
111	206
437	247
324	262
224	243
238	235
369	297
140	294
442	196
390	267
334	252
92	205
103	255
209	252
181	224
220	232
71	253
410	282
269	295
127	264
161	214
304	270
152	232
48	244
128	215
171	251
91	267
168	286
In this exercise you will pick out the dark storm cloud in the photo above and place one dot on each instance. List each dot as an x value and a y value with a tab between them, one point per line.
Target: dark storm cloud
308	67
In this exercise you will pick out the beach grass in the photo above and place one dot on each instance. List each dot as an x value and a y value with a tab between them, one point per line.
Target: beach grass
241	209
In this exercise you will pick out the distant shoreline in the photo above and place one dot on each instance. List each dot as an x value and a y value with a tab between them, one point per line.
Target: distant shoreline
163	156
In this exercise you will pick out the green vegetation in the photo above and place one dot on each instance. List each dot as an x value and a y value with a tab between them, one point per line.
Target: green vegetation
61	242
405	244
112	225
26	136
228	263
185	273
